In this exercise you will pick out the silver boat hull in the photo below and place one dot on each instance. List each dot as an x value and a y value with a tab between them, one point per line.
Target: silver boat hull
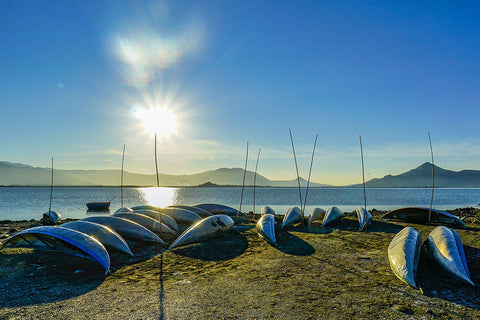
205	229
266	228
403	255
445	247
109	238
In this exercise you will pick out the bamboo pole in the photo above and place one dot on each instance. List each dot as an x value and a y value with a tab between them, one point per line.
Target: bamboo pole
296	167
243	183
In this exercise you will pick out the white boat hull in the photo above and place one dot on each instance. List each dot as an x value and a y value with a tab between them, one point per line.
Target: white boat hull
332	215
364	218
316	216
204	229
445	247
403	255
293	215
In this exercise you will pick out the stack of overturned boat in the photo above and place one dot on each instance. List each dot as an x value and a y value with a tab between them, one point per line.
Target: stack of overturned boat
95	238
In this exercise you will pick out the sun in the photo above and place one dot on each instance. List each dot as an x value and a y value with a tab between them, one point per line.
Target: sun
160	121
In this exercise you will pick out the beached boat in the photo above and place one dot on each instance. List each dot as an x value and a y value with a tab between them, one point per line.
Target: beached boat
293	215
216	208
157	215
123	209
316	216
98	206
52	216
364	218
445	247
149	223
144	207
127	229
201	212
403	255
420	216
266	210
205	229
266	228
108	237
332	215
182	216
61	240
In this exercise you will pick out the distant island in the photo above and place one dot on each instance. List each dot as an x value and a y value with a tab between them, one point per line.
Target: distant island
17	174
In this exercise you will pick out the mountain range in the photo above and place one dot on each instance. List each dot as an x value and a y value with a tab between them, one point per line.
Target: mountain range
17	174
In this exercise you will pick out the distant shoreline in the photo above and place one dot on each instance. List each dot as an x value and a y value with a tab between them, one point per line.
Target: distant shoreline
236	186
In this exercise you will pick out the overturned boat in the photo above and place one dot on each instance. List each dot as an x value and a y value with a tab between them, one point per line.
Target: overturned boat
216	208
445	247
109	238
52	216
316	216
123	209
144	207
332	215
420	216
127	229
151	224
205	229
62	240
266	228
157	215
403	255
293	215
266	210
201	212
364	218
182	216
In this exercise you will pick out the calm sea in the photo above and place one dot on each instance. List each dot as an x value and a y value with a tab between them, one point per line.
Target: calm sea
24	203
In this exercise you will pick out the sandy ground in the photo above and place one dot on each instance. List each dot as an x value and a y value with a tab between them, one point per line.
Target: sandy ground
332	273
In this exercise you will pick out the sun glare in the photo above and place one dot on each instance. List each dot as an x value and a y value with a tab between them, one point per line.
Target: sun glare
156	120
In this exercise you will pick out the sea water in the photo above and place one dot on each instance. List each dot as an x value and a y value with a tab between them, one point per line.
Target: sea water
25	203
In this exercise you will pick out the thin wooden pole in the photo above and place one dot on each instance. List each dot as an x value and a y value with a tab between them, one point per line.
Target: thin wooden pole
433	178
296	166
309	174
156	163
255	180
51	190
363	174
162	292
243	183
121	177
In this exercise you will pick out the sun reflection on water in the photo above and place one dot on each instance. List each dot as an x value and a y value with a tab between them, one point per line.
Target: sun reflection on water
158	197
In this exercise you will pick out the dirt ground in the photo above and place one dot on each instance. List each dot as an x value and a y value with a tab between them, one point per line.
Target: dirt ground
330	273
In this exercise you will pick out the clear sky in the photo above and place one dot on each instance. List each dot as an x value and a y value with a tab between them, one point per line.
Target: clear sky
78	79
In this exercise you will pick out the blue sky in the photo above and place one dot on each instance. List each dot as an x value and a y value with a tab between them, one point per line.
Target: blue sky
73	72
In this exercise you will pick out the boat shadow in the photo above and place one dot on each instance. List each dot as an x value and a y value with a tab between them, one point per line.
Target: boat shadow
293	245
226	247
436	283
37	277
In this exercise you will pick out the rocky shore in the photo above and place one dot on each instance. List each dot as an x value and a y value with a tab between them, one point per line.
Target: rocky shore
331	273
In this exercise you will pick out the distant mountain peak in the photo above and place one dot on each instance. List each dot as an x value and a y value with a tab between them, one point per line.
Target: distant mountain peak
13	164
